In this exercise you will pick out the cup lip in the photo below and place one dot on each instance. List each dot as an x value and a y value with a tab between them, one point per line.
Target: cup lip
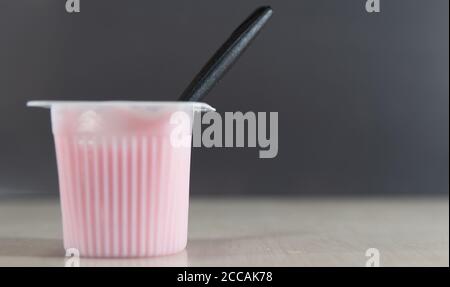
200	106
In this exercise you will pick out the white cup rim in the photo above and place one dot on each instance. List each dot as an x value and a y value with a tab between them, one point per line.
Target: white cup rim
197	106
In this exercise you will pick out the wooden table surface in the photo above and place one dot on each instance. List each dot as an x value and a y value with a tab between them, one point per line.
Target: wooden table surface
257	232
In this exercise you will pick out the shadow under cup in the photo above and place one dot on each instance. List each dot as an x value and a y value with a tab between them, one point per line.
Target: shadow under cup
123	171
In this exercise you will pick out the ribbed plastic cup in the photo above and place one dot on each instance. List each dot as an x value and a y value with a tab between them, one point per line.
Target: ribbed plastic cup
123	170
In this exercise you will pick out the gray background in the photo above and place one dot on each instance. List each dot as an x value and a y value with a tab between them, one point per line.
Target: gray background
363	99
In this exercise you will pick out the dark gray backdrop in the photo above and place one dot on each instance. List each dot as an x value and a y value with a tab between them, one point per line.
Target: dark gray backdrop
363	99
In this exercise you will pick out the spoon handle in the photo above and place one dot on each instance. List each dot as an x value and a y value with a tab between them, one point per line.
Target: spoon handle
227	54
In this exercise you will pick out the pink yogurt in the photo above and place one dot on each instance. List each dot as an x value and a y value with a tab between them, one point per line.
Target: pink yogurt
124	186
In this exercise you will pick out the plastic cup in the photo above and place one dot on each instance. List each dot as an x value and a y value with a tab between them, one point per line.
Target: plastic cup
123	170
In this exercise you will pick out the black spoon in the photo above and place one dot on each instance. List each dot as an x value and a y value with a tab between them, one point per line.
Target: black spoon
227	54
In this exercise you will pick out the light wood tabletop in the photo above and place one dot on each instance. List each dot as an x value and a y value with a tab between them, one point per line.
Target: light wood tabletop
259	231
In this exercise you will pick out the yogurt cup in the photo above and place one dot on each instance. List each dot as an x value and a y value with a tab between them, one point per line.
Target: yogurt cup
123	170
